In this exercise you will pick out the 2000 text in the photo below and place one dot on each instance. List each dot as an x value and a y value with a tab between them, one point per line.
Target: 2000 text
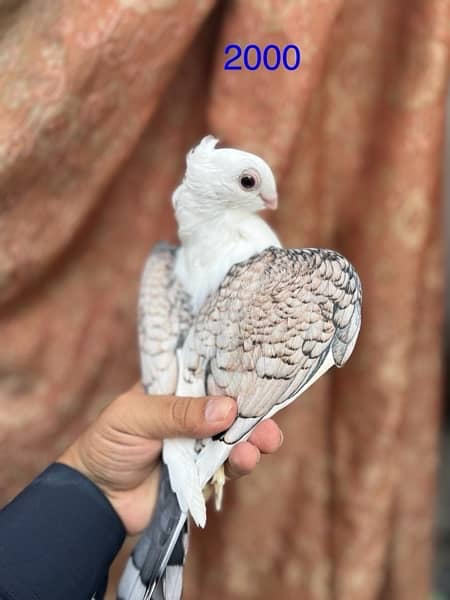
271	57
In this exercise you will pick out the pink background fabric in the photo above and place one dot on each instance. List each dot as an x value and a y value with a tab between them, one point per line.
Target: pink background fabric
99	103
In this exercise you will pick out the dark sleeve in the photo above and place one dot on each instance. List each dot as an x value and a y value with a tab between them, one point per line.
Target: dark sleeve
58	539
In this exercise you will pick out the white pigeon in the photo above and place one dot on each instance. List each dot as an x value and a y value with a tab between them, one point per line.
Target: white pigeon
229	312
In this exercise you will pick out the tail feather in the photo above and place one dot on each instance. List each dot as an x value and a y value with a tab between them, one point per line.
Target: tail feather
170	586
173	583
153	552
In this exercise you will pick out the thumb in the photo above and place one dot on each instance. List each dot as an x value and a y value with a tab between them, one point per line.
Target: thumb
158	417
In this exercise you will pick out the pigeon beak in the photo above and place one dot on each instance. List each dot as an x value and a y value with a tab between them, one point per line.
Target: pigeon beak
270	202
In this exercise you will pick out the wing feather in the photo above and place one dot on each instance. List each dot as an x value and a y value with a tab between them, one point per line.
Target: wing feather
276	323
164	317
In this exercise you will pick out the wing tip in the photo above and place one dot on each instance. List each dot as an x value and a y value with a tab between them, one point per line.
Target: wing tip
342	349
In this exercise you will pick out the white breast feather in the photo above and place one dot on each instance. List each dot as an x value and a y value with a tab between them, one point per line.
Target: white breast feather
203	262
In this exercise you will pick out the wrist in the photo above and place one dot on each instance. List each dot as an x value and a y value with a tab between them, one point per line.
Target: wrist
72	457
132	506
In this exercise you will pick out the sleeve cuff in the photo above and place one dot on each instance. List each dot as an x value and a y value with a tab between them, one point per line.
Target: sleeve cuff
58	538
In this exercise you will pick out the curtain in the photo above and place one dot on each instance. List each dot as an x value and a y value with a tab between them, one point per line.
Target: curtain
99	103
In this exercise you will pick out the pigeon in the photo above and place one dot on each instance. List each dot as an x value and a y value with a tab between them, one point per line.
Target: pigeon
228	312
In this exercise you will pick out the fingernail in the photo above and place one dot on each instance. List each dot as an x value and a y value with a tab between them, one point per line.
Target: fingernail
217	409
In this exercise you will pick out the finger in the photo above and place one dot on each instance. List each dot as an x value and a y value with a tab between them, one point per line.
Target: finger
267	437
243	459
160	417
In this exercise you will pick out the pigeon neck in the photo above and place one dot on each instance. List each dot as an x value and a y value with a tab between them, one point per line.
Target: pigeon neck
198	219
192	226
188	214
211	246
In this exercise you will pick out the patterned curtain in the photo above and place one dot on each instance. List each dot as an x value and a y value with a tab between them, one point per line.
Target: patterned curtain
99	103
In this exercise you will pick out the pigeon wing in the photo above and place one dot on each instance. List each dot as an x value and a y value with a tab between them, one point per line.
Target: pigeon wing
164	317
277	323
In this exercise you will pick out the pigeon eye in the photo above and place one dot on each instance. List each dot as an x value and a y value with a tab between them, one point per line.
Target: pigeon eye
248	181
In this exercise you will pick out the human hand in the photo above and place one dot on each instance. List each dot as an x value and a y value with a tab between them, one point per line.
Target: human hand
120	451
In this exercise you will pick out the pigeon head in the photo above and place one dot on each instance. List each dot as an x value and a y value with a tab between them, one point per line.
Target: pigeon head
219	179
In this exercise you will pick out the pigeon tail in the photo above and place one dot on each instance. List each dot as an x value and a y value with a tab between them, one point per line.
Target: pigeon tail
163	544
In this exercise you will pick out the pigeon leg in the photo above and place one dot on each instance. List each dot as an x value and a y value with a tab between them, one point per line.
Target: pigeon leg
218	481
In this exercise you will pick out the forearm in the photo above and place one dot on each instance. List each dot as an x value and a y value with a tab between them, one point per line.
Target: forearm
57	539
